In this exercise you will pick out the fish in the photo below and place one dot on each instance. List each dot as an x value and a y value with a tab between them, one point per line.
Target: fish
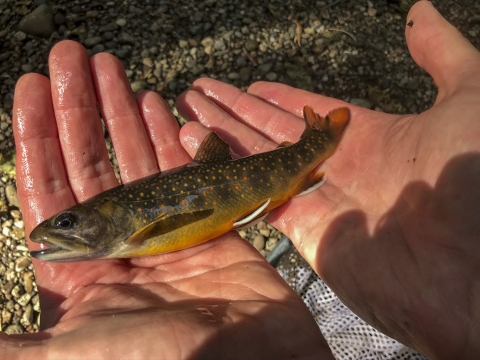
189	205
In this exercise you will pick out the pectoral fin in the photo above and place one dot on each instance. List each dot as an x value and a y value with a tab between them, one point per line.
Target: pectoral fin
165	224
250	218
212	149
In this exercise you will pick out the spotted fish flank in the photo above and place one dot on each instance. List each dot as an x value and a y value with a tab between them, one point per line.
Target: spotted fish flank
194	203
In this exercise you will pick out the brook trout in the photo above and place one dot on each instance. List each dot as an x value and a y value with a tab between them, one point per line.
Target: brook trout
191	204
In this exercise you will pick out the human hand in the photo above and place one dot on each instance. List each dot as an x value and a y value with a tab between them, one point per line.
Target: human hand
218	300
395	229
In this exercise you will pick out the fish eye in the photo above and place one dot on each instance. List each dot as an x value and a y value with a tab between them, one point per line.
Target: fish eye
65	221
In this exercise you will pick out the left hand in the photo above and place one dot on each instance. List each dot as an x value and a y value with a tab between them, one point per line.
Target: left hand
220	299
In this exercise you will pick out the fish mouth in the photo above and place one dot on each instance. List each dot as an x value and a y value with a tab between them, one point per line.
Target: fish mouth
55	249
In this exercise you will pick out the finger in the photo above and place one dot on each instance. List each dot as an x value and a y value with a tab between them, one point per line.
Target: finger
275	125
293	100
79	127
42	182
439	48
134	152
163	129
194	106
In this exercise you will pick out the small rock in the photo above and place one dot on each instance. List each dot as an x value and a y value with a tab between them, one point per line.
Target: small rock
11	194
21	263
108	27
147	61
36	303
262	225
264	68
198	69
121	22
59	19
92	14
183	44
364	103
20	36
233	76
40	22
14	329
16	214
243	234
372	12
271	243
251	45
245	74
27	316
219	45
271	76
27	68
6	316
138	86
17	291
126	38
91	42
259	242
24	299
17	233
124	52
265	232
98	48
28	282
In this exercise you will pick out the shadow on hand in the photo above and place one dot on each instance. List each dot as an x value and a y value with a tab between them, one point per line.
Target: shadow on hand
413	274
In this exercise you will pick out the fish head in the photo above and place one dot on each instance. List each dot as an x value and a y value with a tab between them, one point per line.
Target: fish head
87	230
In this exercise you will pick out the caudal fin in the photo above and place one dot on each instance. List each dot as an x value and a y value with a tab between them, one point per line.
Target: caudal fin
334	123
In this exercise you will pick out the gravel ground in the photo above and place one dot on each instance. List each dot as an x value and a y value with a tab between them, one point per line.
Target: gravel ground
352	50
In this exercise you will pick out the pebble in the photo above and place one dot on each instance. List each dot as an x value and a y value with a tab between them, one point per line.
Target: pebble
138	86
21	263
271	76
90	42
40	22
251	45
265	232
24	299
364	103
11	193
259	242
245	74
121	22
27	68
27	317
13	329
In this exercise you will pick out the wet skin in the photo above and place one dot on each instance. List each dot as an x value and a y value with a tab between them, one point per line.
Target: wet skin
396	239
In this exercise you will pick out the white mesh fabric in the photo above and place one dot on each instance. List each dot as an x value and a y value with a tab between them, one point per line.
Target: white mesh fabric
349	336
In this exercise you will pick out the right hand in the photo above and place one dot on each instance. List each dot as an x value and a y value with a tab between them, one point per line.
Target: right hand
395	231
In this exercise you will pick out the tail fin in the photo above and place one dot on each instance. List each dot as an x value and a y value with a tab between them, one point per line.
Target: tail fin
334	123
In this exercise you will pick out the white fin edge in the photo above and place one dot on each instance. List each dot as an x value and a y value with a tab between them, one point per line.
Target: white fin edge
248	219
251	223
314	187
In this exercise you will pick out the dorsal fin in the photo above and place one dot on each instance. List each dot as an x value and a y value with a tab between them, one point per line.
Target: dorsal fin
212	149
334	123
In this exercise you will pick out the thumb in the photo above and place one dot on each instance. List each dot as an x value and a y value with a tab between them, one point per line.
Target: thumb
440	49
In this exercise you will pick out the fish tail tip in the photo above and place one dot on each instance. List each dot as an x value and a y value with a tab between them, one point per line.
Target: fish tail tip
338	120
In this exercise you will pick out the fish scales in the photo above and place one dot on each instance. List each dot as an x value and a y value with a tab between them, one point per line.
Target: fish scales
189	205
